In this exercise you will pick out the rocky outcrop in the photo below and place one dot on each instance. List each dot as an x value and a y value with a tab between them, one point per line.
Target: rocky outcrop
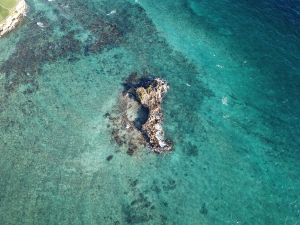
14	18
150	95
137	119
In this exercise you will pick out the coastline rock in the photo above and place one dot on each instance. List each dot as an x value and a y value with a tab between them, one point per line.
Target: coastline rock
14	19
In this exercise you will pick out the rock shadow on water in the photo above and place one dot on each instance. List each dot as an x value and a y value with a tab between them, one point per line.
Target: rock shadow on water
141	117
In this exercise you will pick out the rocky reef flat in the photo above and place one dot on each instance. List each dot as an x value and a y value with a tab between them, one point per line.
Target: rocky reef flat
15	17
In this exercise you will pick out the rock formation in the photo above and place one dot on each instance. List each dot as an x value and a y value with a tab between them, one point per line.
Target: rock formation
136	120
123	124
14	18
150	95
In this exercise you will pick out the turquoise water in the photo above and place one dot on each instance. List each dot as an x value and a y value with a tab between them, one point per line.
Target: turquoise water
232	112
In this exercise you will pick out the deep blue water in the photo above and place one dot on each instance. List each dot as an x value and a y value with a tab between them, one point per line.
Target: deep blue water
233	113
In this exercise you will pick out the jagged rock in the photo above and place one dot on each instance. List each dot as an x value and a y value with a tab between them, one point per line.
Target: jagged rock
137	119
150	94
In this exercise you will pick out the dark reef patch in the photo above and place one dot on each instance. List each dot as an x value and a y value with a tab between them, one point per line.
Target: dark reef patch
155	188
204	209
38	46
136	211
169	185
110	157
190	149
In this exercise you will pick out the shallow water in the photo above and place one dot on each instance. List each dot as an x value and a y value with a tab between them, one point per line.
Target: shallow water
232	111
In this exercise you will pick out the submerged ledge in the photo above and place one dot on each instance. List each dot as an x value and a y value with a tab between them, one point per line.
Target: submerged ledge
14	18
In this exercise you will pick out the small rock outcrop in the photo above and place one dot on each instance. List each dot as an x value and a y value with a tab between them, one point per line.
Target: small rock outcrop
150	95
137	118
14	18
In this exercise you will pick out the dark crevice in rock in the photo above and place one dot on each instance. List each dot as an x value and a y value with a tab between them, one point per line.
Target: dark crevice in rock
142	117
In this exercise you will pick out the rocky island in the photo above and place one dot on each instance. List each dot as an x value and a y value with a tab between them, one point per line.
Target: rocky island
11	14
137	119
150	95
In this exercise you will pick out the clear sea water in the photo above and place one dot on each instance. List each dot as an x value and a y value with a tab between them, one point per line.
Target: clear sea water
233	112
